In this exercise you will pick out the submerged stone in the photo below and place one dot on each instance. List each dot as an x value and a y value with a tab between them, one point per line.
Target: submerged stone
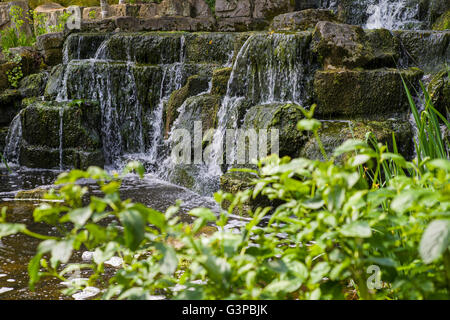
368	93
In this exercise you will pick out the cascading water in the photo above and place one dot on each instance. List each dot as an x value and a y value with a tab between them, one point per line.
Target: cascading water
13	141
61	132
392	15
267	70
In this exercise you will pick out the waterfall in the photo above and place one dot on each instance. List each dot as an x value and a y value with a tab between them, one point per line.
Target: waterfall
13	141
266	70
391	14
61	131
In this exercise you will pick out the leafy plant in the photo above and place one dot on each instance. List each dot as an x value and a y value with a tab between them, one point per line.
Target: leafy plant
14	74
14	36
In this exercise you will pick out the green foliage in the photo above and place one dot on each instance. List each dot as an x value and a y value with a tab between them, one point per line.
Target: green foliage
336	223
15	74
14	36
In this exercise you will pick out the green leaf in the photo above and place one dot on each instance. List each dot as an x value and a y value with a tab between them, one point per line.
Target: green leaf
7	229
61	251
134	227
33	270
308	125
204	213
100	256
443	164
283	286
359	160
358	229
80	216
349	146
169	262
135	166
435	240
319	271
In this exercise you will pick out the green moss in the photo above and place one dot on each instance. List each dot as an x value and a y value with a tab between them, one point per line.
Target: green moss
220	81
443	22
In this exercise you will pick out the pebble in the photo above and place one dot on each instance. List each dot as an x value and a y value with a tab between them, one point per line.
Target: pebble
5	289
88	292
114	262
87	256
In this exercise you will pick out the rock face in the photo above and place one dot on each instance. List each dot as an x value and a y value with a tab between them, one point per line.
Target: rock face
439	90
334	133
302	20
282	117
50	45
428	50
10	105
47	144
342	45
368	93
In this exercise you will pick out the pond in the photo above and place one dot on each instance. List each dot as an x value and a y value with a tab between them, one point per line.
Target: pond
17	250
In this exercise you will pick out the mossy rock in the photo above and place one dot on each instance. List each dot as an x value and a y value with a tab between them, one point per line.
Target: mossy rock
50	158
37	193
194	85
302	20
10	105
236	181
282	117
333	133
54	82
202	108
439	90
443	22
217	47
340	45
427	50
220	81
4	69
3	135
33	85
367	93
41	125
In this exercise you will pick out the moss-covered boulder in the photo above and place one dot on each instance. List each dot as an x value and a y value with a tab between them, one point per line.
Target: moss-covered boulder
443	22
439	90
207	47
427	50
33	85
10	105
50	46
302	20
194	85
342	45
220	81
3	135
83	45
54	82
202	108
374	93
55	134
334	133
281	117
4	69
